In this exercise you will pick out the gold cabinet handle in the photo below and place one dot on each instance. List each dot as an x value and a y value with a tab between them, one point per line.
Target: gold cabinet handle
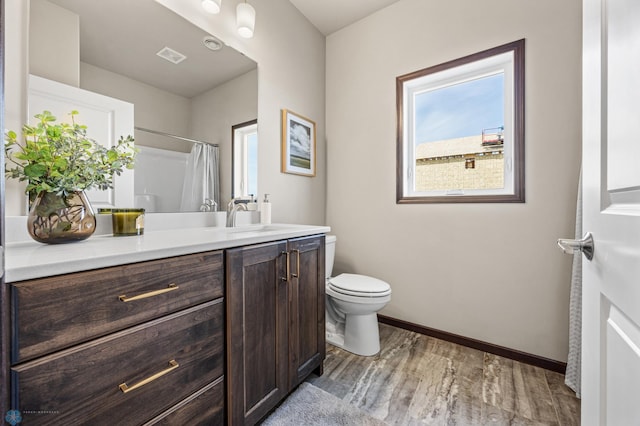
297	274
286	253
172	366
171	287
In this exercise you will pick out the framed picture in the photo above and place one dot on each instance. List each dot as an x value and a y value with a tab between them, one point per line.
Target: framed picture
298	144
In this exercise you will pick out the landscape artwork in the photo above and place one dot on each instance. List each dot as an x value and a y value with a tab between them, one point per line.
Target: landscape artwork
298	144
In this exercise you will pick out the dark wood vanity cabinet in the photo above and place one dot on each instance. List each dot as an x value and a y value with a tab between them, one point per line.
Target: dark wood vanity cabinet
127	345
275	323
306	308
202	339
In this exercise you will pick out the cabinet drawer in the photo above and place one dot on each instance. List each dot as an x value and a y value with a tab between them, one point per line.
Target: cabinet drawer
180	353
57	312
205	408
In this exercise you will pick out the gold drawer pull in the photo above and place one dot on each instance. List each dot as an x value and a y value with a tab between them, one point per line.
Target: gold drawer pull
173	365
171	287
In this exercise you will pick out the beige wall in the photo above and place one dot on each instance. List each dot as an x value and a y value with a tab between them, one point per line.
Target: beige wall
291	74
486	271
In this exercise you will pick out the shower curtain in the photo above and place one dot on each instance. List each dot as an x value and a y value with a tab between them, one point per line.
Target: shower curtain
572	375
202	178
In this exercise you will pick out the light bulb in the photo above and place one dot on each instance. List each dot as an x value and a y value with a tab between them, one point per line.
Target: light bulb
245	19
211	6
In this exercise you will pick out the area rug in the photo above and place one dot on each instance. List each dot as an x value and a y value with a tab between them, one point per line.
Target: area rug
311	406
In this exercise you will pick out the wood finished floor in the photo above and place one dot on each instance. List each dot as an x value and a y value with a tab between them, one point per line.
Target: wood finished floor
420	380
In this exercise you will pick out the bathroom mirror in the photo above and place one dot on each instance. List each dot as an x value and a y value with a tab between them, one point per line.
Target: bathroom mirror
181	80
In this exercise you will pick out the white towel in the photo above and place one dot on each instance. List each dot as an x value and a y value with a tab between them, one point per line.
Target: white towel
572	375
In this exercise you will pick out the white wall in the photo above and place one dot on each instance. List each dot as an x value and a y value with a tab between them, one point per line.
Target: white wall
486	271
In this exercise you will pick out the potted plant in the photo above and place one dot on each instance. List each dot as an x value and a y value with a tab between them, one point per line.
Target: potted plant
59	162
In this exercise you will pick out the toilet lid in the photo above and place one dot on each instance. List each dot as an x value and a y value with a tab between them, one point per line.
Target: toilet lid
359	284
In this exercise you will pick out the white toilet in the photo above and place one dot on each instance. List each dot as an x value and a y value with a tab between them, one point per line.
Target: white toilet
352	302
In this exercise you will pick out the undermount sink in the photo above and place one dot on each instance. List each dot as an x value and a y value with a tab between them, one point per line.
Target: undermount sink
254	228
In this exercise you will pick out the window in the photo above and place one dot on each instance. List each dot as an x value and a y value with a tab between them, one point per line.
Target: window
461	129
245	159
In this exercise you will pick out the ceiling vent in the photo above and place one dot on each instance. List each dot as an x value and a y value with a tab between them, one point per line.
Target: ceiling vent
171	55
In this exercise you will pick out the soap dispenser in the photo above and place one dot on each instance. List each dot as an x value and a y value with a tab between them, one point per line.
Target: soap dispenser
265	211
252	205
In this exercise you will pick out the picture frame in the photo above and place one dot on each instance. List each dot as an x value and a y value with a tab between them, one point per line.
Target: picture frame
298	144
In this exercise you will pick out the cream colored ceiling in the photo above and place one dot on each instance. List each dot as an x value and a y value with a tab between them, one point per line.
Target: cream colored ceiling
329	16
123	36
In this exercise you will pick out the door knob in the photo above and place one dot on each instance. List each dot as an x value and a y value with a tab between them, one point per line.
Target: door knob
585	245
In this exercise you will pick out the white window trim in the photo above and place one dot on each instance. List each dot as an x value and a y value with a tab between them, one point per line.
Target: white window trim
241	136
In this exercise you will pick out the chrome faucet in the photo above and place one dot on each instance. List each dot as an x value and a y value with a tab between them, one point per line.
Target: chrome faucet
232	210
209	205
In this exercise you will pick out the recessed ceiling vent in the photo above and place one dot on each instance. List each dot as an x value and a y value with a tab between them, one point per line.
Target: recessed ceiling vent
171	55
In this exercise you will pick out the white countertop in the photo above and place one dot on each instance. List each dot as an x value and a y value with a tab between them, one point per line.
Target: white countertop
29	260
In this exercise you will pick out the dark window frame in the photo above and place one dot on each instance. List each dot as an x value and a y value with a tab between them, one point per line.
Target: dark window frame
518	164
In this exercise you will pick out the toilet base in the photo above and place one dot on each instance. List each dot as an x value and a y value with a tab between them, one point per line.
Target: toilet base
359	334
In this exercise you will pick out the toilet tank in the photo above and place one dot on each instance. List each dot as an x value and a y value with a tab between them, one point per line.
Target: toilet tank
329	254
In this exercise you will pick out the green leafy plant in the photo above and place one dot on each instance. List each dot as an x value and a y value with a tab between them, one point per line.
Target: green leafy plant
59	157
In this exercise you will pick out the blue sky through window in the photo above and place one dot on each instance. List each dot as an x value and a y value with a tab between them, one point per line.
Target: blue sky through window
463	109
252	164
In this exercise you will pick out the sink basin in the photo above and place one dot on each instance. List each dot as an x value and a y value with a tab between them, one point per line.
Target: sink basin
255	228
261	233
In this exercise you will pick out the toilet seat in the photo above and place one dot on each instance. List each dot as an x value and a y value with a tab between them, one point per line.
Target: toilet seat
359	286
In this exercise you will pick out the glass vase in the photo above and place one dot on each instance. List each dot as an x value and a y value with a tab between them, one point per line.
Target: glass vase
57	219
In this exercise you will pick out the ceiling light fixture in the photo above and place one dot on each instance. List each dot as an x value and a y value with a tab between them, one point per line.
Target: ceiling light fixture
212	43
245	19
211	6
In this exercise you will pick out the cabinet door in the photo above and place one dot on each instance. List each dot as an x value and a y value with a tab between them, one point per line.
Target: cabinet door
256	330
306	308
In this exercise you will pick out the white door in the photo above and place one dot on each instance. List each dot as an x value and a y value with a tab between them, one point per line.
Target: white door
611	177
106	119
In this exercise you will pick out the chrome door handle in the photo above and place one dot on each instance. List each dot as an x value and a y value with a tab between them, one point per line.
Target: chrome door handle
585	245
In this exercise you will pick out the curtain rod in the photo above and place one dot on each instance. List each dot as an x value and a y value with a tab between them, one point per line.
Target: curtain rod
173	136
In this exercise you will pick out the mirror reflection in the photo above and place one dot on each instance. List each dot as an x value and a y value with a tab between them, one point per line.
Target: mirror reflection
245	160
188	90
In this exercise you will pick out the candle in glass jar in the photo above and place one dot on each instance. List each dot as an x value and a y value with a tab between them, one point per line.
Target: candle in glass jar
127	222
